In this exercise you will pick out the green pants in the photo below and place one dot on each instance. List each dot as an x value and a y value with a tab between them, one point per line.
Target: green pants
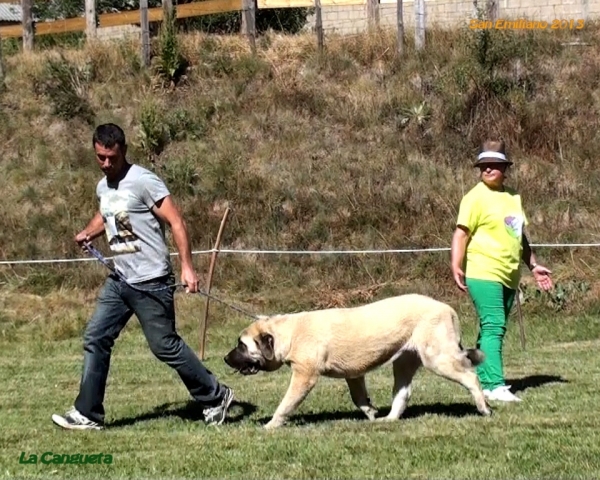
493	302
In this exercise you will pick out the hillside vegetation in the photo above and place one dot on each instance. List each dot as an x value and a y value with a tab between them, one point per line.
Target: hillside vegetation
355	149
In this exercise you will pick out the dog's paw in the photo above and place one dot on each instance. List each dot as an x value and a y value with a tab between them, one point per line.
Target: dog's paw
385	419
272	425
487	412
370	413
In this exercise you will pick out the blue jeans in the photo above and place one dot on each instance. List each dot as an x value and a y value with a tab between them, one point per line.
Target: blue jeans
155	311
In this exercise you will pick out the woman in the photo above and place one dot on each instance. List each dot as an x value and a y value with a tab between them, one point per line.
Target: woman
487	246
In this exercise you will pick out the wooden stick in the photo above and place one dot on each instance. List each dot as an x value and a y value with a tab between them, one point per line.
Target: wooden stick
319	26
419	6
27	23
373	14
213	260
1	68
520	318
90	19
400	27
249	22
145	26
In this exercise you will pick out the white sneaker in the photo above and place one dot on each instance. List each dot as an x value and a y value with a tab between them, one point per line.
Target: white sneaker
502	394
73	420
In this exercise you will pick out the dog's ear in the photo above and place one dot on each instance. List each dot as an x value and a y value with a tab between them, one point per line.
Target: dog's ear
265	344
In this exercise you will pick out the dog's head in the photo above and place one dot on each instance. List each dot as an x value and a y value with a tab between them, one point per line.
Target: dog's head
254	352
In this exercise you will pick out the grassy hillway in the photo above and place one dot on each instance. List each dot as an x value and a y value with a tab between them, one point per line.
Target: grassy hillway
355	150
352	150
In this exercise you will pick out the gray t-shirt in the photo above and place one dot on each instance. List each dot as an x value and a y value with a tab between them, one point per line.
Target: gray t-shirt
136	236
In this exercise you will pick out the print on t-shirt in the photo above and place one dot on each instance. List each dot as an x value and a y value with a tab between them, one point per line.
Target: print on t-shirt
119	232
514	225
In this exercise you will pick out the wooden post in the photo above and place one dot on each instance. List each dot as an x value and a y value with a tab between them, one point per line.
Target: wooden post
319	25
373	14
400	27
419	24
90	19
167	8
492	10
1	68
145	26
249	22
213	260
27	21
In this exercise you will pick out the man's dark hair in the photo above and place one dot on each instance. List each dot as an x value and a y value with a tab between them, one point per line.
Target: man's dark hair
108	135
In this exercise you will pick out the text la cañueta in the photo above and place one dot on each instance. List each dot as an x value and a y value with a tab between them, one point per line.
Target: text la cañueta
63	458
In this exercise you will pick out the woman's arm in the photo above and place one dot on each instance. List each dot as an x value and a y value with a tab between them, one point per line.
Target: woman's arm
459	247
540	273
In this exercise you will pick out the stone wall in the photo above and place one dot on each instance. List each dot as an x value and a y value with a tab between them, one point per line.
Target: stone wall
452	13
119	32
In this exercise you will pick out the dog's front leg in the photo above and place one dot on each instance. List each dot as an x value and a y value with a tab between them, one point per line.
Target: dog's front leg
300	386
360	396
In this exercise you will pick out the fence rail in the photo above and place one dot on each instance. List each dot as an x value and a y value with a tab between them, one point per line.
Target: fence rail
28	29
132	17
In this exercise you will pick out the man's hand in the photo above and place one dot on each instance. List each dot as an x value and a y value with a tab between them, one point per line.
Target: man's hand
542	277
189	278
93	230
82	238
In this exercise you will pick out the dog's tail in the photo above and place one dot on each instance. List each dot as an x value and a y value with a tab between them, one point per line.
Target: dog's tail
475	356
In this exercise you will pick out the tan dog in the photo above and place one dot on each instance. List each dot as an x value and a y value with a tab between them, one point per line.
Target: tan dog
407	331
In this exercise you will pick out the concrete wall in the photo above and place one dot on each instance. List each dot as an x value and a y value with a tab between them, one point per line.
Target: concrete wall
453	13
119	32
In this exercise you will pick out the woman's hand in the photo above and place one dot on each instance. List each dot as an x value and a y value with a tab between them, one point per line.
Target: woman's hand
542	277
459	278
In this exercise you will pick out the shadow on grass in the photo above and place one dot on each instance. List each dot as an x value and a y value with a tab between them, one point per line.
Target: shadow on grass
188	411
412	411
533	381
456	410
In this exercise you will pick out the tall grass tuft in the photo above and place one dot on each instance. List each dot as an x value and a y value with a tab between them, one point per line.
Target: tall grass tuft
170	63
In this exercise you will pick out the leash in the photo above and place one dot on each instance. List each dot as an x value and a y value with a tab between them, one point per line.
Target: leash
102	259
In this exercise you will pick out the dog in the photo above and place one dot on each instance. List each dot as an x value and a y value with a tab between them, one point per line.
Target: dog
407	331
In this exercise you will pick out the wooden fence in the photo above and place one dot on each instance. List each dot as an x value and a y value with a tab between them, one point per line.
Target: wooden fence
28	29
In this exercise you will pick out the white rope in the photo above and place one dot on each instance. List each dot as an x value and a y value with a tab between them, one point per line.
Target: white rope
293	252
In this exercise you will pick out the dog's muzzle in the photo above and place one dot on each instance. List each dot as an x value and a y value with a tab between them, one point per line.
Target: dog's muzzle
241	363
250	370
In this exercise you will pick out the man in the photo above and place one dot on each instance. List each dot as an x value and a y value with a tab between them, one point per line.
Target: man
135	205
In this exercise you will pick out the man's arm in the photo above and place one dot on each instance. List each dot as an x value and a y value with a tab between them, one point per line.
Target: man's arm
166	210
93	230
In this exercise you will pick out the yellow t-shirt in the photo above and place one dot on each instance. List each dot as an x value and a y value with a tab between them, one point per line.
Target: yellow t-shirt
495	220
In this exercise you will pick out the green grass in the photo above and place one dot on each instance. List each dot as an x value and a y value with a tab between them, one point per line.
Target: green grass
155	432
